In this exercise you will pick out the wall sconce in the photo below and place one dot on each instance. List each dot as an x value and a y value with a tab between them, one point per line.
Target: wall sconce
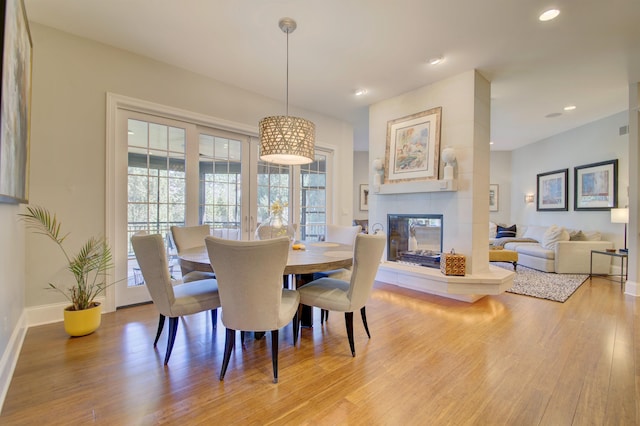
448	156
529	198
378	170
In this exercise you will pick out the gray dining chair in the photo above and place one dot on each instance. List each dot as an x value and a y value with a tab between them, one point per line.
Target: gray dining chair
342	235
249	277
348	296
189	237
173	301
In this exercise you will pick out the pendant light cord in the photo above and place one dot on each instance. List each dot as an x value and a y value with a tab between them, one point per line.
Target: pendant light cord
287	94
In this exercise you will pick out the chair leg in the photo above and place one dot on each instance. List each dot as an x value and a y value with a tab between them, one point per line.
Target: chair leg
348	320
229	341
274	354
296	327
364	321
173	329
324	315
214	317
160	327
242	334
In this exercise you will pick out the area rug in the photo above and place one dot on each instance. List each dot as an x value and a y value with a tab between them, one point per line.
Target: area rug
556	287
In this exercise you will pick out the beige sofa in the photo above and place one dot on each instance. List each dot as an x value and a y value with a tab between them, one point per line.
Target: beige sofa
556	249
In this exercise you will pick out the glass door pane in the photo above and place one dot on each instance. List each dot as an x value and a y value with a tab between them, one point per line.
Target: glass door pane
156	187
220	185
313	199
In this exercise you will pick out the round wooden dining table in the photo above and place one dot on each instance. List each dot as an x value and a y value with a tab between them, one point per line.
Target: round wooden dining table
318	256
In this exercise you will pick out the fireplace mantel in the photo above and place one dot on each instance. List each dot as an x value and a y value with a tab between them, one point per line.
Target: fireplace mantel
442	185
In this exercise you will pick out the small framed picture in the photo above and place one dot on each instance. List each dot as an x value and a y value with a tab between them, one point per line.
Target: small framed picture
493	197
552	188
364	197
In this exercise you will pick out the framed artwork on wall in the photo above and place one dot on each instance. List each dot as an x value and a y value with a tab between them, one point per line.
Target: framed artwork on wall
552	189
596	186
413	147
364	197
493	197
15	99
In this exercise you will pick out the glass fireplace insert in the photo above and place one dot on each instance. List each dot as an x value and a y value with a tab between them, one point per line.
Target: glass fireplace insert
415	239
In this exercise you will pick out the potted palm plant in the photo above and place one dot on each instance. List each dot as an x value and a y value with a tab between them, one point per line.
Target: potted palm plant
89	268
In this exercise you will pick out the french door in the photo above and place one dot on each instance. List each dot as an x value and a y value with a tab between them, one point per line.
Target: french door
171	172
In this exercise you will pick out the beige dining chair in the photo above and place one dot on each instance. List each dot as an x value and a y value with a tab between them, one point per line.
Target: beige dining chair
189	237
347	296
343	235
172	301
249	277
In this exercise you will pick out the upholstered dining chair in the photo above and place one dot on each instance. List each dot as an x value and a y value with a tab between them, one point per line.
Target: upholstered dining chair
173	301
343	235
249	277
188	237
337	295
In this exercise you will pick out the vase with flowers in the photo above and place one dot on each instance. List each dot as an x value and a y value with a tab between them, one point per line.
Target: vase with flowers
275	225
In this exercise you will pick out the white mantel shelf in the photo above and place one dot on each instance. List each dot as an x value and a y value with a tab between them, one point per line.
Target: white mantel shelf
468	288
442	185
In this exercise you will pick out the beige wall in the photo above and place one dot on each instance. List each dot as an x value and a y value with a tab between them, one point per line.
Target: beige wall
71	77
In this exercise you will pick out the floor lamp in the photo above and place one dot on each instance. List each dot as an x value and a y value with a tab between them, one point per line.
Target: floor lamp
621	216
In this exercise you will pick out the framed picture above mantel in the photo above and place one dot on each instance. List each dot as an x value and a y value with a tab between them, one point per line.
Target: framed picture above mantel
413	147
596	186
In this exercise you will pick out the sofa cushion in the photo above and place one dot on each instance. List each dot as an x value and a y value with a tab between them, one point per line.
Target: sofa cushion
503	232
535	250
552	235
535	232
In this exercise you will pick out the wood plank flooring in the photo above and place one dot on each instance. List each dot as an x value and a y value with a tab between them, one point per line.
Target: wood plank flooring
504	360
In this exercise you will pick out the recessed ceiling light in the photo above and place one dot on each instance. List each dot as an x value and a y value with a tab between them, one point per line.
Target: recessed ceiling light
131	132
548	15
491	143
569	107
436	60
361	92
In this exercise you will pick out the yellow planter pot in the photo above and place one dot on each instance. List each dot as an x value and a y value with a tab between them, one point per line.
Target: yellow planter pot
81	323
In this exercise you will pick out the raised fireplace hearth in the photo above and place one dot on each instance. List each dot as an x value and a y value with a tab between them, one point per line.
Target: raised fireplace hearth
415	241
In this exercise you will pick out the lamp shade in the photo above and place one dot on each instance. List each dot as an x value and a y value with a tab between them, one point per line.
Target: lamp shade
287	140
620	215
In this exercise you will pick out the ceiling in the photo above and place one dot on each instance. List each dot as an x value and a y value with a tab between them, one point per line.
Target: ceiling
586	57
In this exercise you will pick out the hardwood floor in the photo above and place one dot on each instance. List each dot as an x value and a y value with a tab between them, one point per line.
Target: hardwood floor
506	359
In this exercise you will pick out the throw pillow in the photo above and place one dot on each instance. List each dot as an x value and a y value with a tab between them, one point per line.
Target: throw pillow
505	232
493	229
554	234
593	235
578	236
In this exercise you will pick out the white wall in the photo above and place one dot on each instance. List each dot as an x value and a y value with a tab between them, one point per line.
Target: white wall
71	76
595	142
500	174
360	176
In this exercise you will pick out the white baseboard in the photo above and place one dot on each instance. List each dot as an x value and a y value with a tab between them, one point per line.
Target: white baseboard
47	314
10	356
632	288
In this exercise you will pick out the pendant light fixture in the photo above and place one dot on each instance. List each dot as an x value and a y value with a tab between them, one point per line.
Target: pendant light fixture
285	139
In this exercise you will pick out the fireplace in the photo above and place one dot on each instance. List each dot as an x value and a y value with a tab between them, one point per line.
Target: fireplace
415	239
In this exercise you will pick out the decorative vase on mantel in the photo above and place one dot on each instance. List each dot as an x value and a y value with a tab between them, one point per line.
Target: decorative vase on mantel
275	225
